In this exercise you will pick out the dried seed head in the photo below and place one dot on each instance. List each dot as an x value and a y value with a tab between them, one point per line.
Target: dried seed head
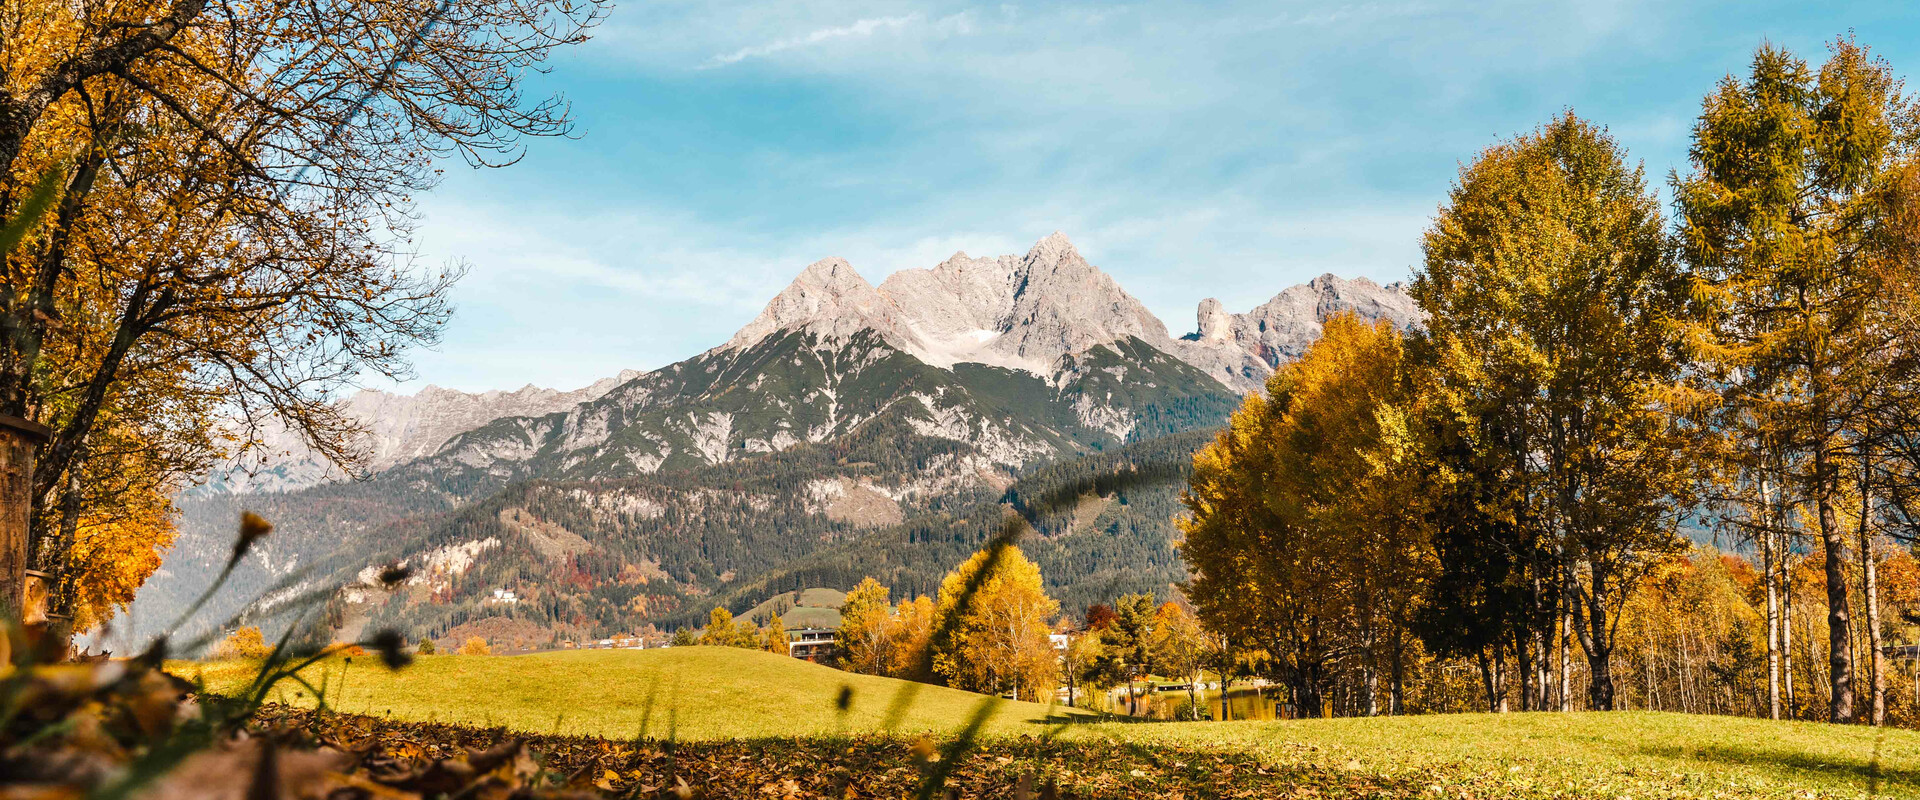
392	648
393	574
252	527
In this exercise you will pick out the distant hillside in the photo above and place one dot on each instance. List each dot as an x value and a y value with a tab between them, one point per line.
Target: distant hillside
806	608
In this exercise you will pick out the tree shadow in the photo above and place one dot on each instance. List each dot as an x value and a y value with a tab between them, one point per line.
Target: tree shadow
1871	774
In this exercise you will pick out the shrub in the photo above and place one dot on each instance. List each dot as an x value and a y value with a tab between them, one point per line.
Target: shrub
475	646
244	642
426	647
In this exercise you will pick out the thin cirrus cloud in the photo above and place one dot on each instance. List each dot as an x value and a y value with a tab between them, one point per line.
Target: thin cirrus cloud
859	29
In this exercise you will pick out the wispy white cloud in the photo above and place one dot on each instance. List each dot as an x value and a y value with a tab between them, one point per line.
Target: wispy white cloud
859	29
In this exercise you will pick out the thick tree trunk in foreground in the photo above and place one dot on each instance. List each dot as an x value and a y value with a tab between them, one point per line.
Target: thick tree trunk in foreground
1839	634
1598	641
19	439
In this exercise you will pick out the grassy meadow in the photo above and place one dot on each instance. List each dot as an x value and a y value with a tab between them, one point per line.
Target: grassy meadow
688	693
702	693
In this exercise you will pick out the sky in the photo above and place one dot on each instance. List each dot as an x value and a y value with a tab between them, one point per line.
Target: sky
1191	150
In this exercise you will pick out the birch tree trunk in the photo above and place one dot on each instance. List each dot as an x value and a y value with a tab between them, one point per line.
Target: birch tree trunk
1770	560
1786	621
1870	589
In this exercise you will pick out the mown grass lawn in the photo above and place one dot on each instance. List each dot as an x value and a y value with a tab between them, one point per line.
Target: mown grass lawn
700	693
682	692
1630	754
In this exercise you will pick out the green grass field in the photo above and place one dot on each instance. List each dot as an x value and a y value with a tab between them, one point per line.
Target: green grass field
685	692
711	693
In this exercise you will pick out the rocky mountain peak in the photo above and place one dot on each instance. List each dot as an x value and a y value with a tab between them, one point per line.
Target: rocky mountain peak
398	428
1241	350
1022	312
1053	249
831	300
1063	305
831	275
1030	311
1215	322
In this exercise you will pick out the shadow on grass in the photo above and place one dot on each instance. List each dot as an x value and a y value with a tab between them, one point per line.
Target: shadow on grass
1086	717
1870	773
874	765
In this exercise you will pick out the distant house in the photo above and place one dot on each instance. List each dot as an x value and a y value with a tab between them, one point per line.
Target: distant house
1060	640
811	644
504	597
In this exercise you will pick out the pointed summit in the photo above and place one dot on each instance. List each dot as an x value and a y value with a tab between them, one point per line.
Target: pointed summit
831	300
1063	305
833	275
1053	248
1022	312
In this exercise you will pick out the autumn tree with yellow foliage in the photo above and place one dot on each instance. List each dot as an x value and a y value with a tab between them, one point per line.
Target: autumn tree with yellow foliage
1799	217
999	640
225	239
1557	315
862	637
1299	532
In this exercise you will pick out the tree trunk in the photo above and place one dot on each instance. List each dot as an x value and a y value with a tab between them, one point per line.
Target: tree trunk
1493	678
57	564
1599	646
1839	640
19	440
1396	689
1566	656
1370	674
1786	624
1770	561
1870	587
1193	694
1523	655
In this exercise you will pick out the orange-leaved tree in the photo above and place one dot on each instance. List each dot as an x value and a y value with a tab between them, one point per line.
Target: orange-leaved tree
226	231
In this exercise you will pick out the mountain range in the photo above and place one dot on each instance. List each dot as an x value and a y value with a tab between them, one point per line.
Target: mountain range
848	430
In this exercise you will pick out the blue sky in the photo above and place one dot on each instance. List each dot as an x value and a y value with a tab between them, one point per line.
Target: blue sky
1192	150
